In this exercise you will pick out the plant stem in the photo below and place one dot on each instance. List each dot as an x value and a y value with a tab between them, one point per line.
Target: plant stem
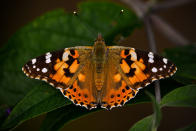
169	4
168	31
152	45
142	10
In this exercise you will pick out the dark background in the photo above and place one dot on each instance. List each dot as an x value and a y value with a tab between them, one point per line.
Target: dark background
17	13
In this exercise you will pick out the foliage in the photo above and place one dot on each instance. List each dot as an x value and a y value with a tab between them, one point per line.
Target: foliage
58	29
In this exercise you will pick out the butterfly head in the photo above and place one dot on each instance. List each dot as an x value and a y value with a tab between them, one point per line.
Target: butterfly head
99	47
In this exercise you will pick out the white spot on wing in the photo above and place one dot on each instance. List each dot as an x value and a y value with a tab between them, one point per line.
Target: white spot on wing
133	49
154	69
44	70
44	79
150	55
33	61
164	66
150	60
48	55
37	78
51	84
133	56
165	60
160	69
65	55
38	69
34	66
48	60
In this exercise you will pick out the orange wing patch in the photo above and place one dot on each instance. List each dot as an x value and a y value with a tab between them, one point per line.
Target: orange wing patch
118	97
59	71
133	68
81	77
79	96
117	78
139	75
74	66
65	68
125	67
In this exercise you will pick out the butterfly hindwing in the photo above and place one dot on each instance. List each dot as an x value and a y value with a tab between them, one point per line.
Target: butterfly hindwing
115	92
83	91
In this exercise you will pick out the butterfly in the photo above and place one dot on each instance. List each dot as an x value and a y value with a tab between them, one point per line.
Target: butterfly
99	75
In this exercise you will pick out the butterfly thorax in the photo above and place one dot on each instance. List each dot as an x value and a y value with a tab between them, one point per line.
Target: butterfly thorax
99	60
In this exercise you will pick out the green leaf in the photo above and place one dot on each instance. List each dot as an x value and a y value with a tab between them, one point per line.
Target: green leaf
184	58
181	97
62	116
4	112
54	30
191	127
57	30
151	122
39	100
143	125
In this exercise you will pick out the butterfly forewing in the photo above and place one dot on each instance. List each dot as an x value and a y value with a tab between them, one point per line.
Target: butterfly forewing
42	66
140	68
58	68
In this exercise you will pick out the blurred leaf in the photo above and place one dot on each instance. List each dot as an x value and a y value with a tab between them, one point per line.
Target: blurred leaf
4	112
184	58
143	125
57	30
39	100
166	85
184	96
151	122
62	116
54	30
191	127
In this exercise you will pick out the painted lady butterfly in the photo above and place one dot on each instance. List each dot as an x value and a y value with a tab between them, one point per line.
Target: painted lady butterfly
99	75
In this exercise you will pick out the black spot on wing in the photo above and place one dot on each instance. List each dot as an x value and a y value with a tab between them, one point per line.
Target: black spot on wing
126	51
72	52
128	61
131	72
67	72
70	60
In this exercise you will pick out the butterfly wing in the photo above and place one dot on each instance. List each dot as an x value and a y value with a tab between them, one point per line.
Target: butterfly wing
59	68
83	91
130	70
69	70
115	92
140	68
